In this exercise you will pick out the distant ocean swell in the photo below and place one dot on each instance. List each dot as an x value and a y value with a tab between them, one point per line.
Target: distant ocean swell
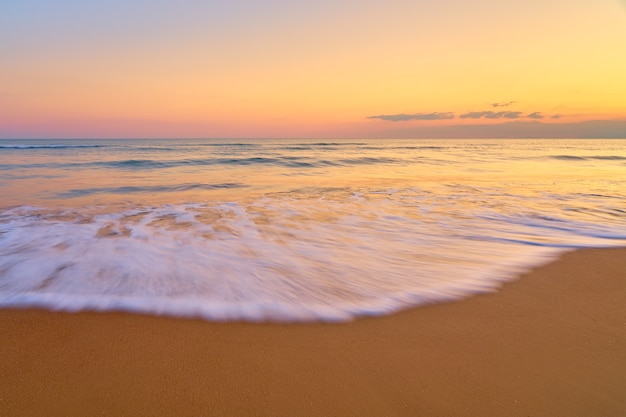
590	158
144	189
148	164
50	146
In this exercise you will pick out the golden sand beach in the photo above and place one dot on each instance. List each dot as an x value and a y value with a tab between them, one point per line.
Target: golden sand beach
552	343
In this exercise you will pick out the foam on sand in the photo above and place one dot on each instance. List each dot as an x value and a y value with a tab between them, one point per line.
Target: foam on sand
277	259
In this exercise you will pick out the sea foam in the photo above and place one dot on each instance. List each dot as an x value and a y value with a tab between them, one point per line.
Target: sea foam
293	230
277	259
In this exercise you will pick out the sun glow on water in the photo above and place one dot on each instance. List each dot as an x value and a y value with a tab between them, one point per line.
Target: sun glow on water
294	230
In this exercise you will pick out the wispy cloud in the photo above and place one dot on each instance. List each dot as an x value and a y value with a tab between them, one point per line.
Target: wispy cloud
483	114
491	115
514	129
415	116
508	103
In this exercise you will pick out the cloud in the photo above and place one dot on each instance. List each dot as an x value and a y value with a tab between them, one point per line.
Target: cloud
415	116
513	129
484	114
508	103
491	115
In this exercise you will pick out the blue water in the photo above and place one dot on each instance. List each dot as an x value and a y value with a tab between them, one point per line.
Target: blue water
294	230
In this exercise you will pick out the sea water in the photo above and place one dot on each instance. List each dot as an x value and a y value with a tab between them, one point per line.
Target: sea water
293	230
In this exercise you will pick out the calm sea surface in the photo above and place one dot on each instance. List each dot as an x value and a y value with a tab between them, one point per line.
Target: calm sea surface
293	230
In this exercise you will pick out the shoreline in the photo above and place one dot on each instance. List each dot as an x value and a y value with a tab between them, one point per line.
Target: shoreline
550	343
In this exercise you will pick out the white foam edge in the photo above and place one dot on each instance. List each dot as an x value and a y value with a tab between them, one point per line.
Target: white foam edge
484	282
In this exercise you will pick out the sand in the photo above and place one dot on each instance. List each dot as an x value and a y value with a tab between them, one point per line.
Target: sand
552	343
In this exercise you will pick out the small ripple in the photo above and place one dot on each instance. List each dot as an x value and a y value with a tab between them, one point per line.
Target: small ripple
145	189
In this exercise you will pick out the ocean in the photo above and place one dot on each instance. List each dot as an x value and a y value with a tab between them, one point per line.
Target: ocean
294	230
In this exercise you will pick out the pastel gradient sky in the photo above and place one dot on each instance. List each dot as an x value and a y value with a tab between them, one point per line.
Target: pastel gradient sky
324	68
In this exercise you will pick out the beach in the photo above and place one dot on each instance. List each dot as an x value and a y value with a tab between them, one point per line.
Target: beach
313	209
551	343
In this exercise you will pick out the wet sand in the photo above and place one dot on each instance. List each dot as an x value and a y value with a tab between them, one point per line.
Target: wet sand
550	344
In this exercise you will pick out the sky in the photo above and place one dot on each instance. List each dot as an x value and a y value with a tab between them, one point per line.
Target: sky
319	69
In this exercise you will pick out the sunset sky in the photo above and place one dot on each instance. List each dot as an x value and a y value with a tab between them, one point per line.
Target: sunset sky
324	68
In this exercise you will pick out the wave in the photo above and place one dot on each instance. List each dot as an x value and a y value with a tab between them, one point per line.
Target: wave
322	144
152	164
368	161
225	145
59	146
153	149
287	161
145	189
278	258
589	158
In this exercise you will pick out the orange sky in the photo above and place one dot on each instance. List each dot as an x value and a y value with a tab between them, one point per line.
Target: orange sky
245	68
